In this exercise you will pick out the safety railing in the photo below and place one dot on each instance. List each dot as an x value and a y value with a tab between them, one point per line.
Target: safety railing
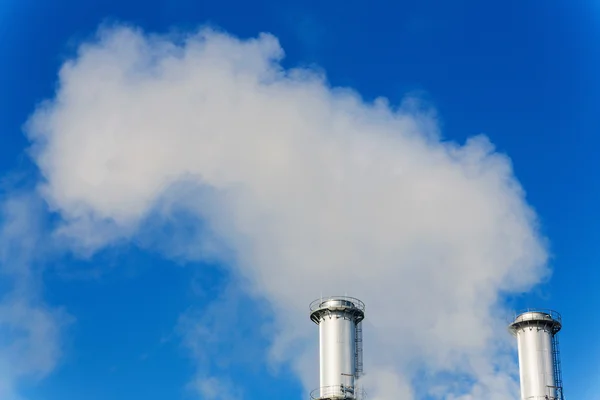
337	301
533	314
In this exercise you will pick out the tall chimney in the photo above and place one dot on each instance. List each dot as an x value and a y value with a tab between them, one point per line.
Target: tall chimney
340	342
539	358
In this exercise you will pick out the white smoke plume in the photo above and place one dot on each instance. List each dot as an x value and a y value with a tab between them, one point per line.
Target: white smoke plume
301	189
30	331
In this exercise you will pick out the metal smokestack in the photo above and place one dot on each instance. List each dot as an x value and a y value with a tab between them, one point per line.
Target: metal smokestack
539	358
340	343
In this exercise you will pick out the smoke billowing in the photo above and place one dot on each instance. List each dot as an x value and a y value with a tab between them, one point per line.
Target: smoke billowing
30	331
300	189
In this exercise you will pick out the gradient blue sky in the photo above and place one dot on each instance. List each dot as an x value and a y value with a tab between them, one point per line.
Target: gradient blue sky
525	73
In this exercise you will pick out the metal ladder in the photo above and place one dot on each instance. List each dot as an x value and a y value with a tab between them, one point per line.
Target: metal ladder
557	367
358	351
358	362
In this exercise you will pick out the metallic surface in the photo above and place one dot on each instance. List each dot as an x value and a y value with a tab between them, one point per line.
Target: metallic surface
337	318
535	331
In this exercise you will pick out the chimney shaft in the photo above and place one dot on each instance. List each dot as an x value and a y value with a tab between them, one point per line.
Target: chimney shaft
338	318
539	361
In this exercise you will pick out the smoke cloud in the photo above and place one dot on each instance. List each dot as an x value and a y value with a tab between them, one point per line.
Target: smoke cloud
30	331
301	189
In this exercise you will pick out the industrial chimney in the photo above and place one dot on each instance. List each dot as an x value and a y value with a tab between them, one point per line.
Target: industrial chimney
539	358
340	342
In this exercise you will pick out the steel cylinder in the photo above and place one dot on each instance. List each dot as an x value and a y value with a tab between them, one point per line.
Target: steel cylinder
337	318
535	332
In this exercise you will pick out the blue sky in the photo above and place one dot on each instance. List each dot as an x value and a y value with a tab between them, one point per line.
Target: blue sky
138	317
